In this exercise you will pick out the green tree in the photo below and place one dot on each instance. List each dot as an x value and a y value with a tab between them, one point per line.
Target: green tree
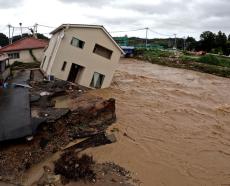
221	39
227	51
18	37
229	37
191	43
207	40
3	40
41	36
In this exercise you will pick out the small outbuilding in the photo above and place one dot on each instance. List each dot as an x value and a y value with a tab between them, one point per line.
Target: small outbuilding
82	54
25	50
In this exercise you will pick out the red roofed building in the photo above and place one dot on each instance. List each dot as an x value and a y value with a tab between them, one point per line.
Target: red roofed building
25	50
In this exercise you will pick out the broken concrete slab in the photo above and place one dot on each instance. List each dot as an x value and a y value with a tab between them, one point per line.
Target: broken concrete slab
51	115
14	113
15	109
95	140
34	98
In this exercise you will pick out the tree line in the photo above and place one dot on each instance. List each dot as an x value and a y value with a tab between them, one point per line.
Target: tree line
210	42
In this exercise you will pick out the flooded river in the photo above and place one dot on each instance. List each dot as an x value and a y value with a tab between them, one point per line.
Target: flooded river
173	125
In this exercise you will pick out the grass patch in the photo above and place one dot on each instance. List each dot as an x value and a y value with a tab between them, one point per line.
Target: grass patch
154	53
211	64
20	65
215	60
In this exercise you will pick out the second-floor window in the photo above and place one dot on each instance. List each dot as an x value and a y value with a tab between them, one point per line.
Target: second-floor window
77	43
102	51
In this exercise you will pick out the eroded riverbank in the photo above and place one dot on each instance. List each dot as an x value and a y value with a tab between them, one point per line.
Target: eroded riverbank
173	125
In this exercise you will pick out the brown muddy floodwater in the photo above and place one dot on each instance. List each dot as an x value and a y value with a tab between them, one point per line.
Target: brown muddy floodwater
176	124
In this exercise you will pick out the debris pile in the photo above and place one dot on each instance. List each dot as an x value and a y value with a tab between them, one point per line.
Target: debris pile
75	168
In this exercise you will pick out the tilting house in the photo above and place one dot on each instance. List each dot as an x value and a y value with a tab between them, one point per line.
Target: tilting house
25	50
83	54
4	68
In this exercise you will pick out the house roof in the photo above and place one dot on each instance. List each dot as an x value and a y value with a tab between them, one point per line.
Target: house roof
25	44
66	26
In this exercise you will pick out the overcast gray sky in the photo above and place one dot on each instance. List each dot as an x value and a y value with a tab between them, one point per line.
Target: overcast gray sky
166	17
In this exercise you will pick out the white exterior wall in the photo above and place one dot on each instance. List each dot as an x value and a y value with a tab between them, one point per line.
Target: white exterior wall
64	51
50	53
26	57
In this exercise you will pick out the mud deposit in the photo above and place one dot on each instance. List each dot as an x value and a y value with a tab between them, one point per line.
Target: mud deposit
173	125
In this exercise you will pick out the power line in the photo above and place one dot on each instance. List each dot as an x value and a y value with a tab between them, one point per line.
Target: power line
128	30
146	29
46	26
160	33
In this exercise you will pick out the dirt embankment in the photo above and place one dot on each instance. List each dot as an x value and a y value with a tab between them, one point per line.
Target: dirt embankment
173	125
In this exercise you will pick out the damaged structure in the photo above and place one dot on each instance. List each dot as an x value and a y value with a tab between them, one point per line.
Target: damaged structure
82	54
4	68
25	50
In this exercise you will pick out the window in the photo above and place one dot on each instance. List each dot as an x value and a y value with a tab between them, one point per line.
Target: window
63	66
97	80
14	55
77	43
102	51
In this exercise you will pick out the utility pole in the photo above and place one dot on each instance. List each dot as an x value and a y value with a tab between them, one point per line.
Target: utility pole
9	26
12	35
184	44
20	24
146	38
175	41
35	30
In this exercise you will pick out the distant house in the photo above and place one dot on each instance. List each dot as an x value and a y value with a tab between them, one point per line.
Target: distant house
25	50
83	54
4	68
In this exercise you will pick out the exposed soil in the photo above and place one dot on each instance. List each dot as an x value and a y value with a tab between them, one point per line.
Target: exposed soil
173	125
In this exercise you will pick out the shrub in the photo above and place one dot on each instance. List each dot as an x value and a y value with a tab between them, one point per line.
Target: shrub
209	59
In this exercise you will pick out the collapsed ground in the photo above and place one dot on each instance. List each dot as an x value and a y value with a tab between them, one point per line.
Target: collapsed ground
83	122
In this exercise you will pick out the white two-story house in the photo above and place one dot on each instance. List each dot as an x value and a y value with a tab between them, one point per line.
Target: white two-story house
82	54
